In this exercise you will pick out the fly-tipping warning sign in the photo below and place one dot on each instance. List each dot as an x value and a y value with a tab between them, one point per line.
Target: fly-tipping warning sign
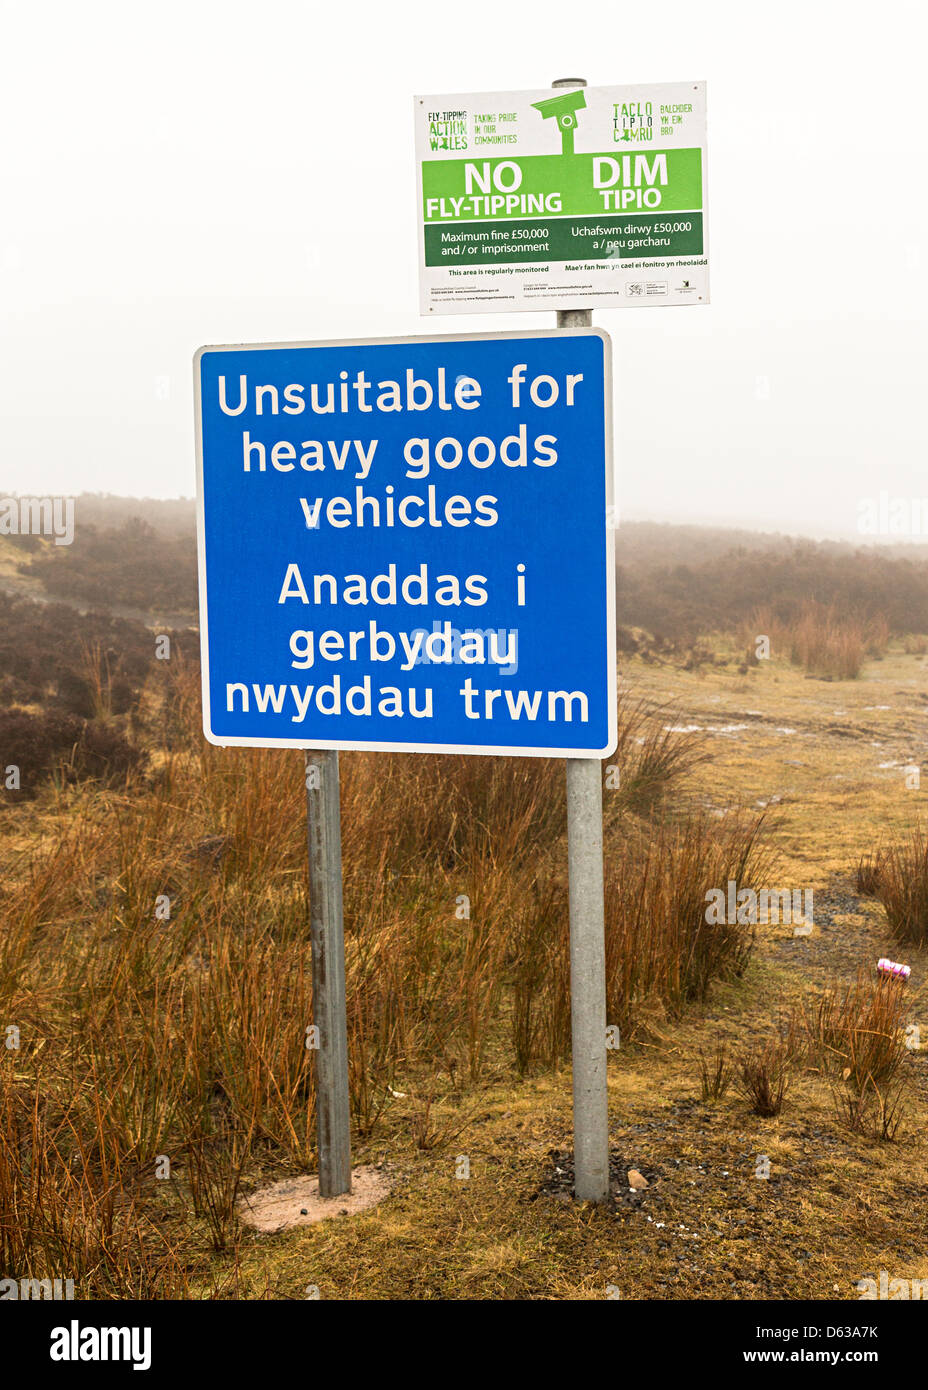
407	544
566	199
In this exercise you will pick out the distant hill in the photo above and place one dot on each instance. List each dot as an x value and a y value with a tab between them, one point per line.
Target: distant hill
174	516
680	581
138	555
131	555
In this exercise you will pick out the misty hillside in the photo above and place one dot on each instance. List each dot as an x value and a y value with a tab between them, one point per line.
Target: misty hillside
138	555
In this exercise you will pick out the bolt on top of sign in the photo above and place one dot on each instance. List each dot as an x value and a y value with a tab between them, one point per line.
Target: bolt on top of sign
562	199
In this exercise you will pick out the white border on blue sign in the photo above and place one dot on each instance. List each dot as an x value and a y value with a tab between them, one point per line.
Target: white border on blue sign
376	746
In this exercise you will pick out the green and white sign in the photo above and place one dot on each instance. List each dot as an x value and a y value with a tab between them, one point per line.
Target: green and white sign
562	198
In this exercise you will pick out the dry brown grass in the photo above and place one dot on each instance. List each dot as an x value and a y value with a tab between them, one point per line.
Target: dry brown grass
145	1037
825	640
716	1071
868	874
901	885
856	1035
764	1074
857	1030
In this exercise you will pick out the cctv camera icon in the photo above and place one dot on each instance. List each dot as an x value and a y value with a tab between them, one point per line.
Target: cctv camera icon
564	110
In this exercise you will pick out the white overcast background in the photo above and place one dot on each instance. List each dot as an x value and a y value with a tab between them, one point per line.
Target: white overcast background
177	174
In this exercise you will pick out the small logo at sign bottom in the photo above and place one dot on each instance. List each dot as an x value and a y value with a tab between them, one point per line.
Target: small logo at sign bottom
645	289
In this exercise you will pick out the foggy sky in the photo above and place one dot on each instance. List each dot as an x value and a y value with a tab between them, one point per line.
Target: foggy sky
198	172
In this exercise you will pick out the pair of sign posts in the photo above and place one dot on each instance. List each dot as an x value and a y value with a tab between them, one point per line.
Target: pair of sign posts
408	544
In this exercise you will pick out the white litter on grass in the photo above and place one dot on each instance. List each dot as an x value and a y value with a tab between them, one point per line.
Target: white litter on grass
885	765
680	729
877	706
785	730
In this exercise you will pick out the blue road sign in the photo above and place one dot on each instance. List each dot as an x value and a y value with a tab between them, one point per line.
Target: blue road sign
407	544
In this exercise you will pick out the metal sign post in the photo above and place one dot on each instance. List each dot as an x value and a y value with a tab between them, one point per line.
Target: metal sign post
328	952
587	978
587	924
